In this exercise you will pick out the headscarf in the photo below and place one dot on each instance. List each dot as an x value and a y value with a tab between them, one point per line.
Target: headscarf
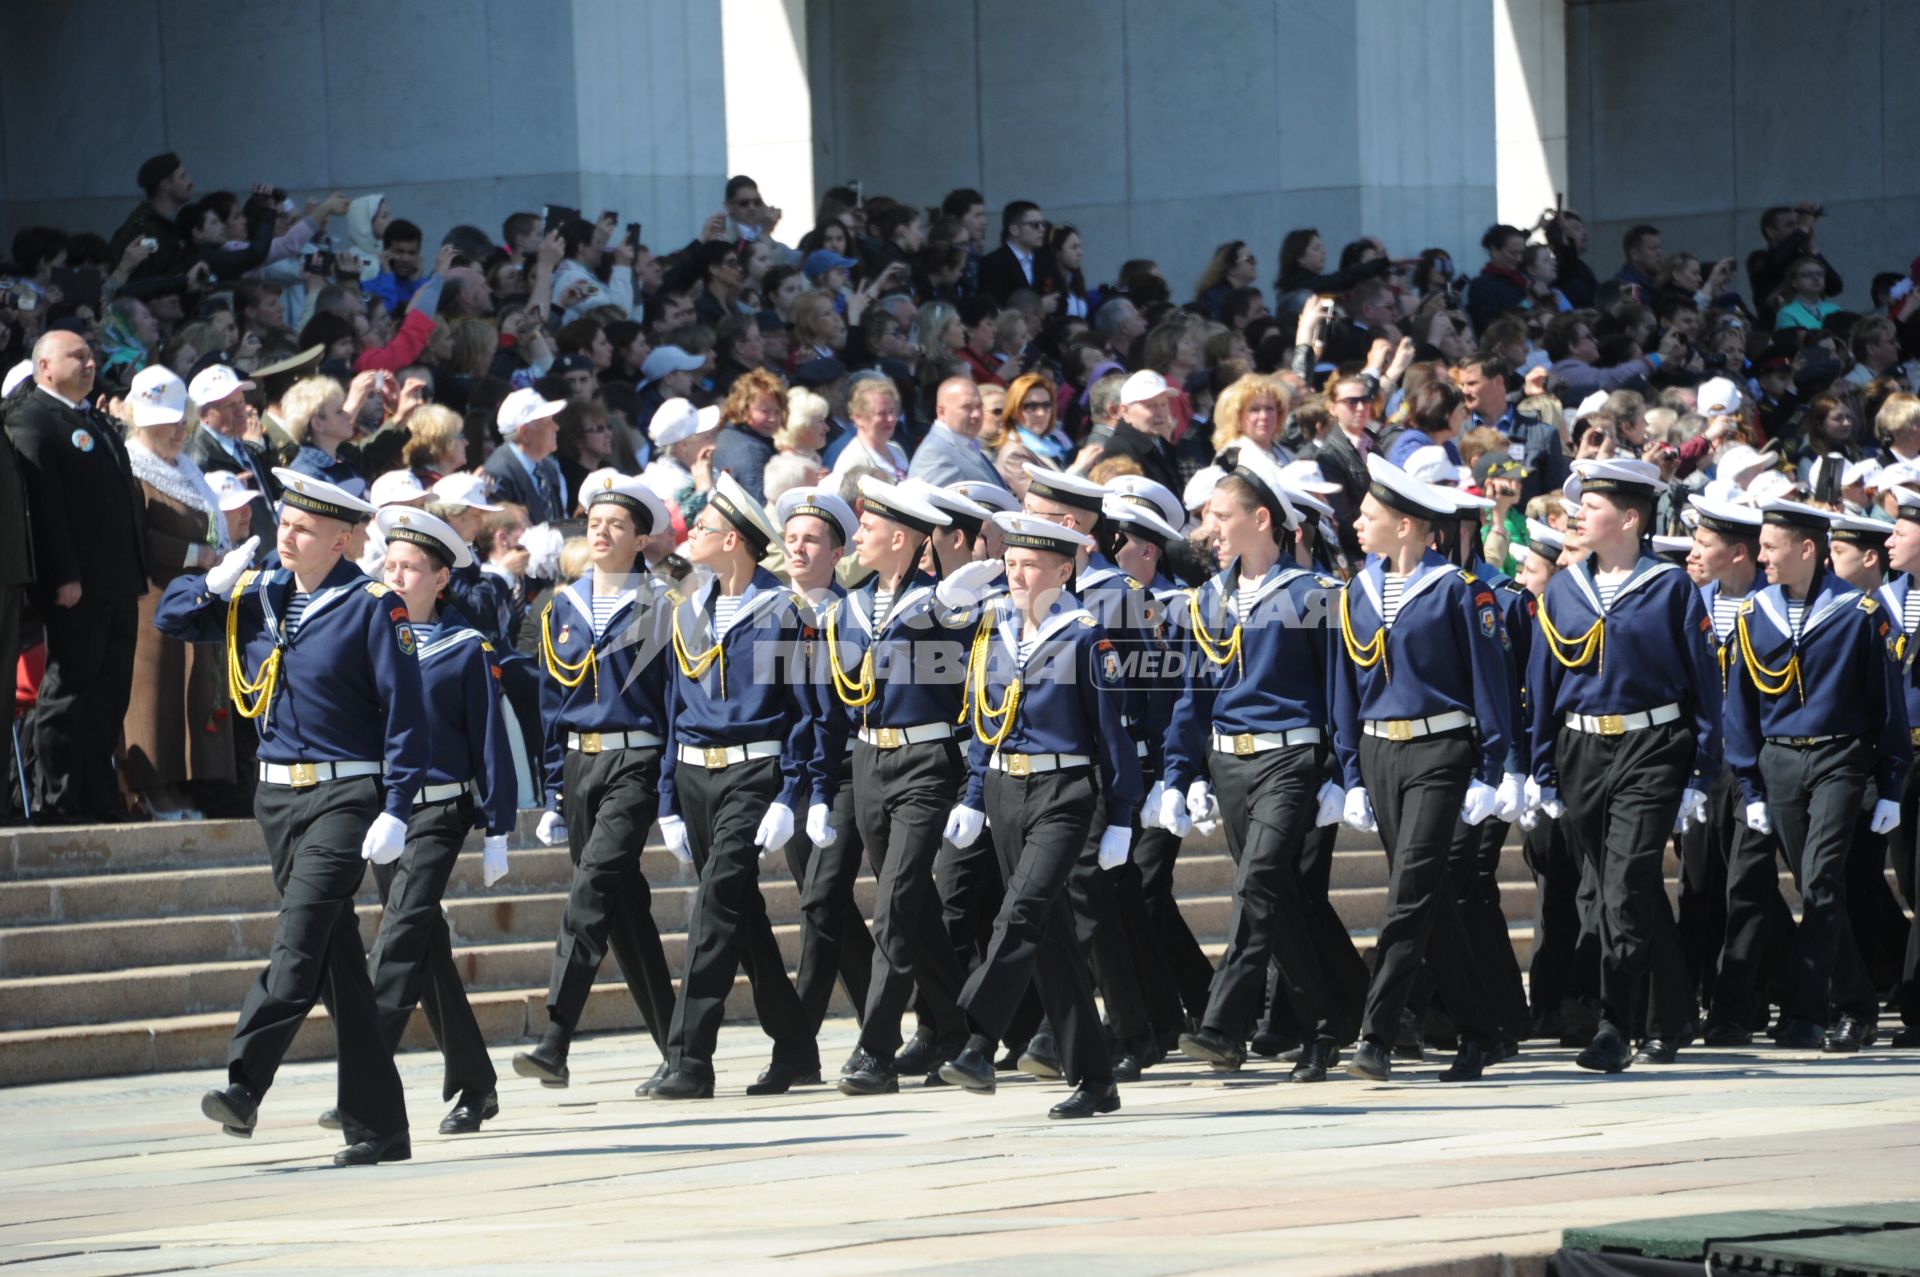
121	354
360	231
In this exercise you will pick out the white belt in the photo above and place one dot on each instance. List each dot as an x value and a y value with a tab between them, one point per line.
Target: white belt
431	794
895	737
1414	728
1619	724
1034	764
1246	743
717	757
602	742
303	775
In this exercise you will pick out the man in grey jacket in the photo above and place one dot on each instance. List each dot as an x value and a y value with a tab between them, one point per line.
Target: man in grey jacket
951	452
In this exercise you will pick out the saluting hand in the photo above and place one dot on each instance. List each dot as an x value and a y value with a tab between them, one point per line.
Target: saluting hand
226	574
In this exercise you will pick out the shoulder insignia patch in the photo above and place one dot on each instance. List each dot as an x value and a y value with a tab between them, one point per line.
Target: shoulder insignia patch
377	589
1087	622
1469	577
1745	607
1326	582
485	646
1133	584
1867	603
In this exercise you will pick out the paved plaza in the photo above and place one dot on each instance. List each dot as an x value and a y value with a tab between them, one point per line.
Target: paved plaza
1199	1172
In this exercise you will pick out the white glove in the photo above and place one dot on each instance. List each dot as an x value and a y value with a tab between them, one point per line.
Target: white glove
493	859
1201	804
1544	799
551	830
1333	801
1529	818
1172	812
819	832
673	832
223	575
1757	818
1510	798
386	839
1113	846
964	825
1693	810
1150	809
966	584
775	827
1359	810
1886	816
1479	804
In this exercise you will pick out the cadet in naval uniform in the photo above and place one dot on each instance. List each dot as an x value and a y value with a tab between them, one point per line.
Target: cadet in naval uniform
1902	602
1044	698
1815	719
1626	711
603	652
1421	711
323	660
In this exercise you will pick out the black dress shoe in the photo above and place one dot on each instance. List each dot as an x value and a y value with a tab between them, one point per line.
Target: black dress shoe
1845	1036
1509	1050
917	1055
1607	1053
1042	1058
1272	1046
1214	1048
546	1063
329	1120
1371	1062
1727	1033
1800	1034
689	1081
1657	1051
1906	1038
1316	1058
465	1117
387	1148
1129	1062
1088	1100
1469	1063
971	1071
235	1107
1407	1042
646	1088
868	1075
1009	1061
780	1077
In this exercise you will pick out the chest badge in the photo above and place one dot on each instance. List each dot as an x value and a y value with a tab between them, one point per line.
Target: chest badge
83	439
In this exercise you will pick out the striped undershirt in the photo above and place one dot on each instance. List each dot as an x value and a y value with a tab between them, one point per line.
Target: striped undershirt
1725	608
1029	642
1796	613
882	604
1607	591
1392	583
423	632
297	611
1243	598
1910	610
724	609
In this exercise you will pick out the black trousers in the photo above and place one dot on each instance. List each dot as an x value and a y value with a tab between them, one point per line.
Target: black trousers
1475	868
1703	885
1416	788
1104	937
1566	950
833	936
728	930
610	801
1873	911
1345	969
413	954
1622	794
314	837
1756	938
1814	795
1155	852
1267	802
83	701
901	801
971	888
1039	828
1900	846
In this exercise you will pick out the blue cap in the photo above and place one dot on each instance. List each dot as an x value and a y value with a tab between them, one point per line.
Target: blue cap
822	260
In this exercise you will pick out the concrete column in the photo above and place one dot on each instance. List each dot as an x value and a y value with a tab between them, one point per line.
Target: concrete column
1530	106
769	109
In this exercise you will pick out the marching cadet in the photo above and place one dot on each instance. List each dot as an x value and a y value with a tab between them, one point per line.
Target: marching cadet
323	660
1421	714
816	527
603	641
469	781
1252	724
896	651
1731	927
739	733
1044	699
1626	740
1815	717
1902	602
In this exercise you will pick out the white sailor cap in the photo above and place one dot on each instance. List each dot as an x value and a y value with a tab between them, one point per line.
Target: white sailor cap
899	504
1141	519
1065	488
1739	460
1305	475
994	496
461	488
821	504
1307	500
1794	514
15	375
608	486
1729	518
1857	529
1431	464
1624	476
1398	490
1031	532
1771	486
1137	489
967	514
1665	546
1907	504
396	487
678	419
434	535
1545	540
317	496
1256	465
230	488
739	508
1199	489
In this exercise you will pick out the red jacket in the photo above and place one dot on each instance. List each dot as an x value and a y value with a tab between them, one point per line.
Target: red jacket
405	348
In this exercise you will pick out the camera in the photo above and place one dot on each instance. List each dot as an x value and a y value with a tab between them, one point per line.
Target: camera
149	243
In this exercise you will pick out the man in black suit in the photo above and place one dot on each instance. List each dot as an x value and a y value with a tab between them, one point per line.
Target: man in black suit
1021	261
522	469
1146	419
16	574
1342	454
91	566
220	443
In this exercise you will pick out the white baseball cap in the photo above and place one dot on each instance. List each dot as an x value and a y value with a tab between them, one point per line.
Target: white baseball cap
678	419
230	489
1717	397
214	383
1142	387
158	398
463	489
522	406
397	487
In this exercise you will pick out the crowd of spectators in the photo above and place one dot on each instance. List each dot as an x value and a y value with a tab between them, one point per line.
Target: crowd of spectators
160	375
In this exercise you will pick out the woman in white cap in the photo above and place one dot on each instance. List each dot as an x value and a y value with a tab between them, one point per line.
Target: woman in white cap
179	724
